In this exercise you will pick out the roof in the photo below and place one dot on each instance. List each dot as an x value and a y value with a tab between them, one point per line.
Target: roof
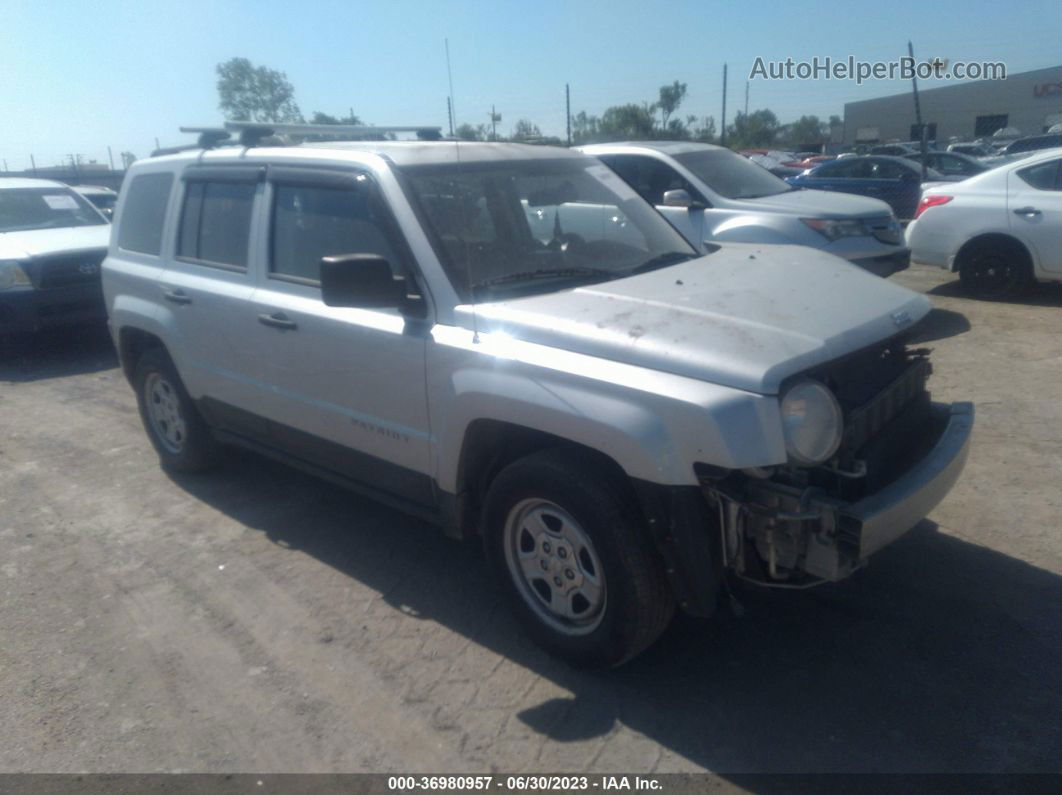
664	147
93	190
27	182
401	153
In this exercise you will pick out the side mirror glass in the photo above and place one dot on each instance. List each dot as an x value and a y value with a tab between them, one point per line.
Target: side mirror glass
360	280
681	198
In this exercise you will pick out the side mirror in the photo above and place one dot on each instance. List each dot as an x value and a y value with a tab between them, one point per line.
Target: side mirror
360	280
681	198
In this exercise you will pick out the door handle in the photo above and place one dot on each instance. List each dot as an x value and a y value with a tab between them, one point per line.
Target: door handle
277	320
177	296
1027	211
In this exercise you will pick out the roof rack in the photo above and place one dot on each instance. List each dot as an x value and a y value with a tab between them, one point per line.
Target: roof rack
252	133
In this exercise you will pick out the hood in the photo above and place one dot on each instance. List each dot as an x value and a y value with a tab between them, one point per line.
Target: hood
45	242
819	204
746	316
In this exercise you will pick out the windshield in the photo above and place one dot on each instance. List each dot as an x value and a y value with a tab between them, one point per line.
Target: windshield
22	209
105	201
732	176
538	225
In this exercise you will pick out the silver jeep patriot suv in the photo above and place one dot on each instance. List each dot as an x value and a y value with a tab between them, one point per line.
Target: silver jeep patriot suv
507	340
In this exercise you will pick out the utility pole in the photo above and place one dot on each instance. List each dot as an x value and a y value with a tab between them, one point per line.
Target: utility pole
722	129
746	99
450	78
493	123
450	115
33	164
918	111
568	110
157	146
110	157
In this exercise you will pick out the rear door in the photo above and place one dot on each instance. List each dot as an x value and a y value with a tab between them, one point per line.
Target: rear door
1034	204
343	388
207	284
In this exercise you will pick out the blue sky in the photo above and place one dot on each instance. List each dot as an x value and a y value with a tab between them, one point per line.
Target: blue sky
79	76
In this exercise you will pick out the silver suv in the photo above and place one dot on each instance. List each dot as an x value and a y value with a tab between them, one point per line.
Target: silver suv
712	195
508	341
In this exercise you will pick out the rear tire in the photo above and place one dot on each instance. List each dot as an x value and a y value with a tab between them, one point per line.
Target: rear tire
575	559
995	269
177	431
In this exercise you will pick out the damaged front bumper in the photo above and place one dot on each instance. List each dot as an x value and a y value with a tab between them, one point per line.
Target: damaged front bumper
779	535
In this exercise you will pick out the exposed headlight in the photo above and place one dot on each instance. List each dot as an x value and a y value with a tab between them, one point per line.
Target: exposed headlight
12	275
832	229
812	422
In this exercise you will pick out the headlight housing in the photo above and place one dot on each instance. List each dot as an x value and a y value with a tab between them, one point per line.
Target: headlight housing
812	422
835	228
12	275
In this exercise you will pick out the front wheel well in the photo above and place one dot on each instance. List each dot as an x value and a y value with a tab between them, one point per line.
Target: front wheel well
491	445
132	344
993	238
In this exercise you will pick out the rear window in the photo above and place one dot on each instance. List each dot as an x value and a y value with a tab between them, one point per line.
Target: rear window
216	222
142	220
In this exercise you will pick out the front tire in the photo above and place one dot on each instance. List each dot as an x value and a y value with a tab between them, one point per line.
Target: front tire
575	559
177	431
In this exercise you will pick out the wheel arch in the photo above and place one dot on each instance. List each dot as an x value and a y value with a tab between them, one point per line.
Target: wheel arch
1000	238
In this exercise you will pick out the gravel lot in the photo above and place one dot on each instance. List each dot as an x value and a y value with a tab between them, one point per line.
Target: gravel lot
259	620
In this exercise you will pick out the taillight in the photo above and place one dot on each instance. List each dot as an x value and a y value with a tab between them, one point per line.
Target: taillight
931	201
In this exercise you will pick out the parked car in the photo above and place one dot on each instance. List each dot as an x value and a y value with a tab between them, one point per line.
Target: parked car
52	242
1000	230
103	199
895	180
893	150
508	341
1033	143
950	164
973	150
713	195
809	162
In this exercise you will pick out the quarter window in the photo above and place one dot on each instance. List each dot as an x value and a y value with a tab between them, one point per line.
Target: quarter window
144	215
216	222
311	222
1043	176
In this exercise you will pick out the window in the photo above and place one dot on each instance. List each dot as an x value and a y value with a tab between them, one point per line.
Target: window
886	169
313	222
731	175
145	213
216	222
1043	176
650	177
538	224
984	126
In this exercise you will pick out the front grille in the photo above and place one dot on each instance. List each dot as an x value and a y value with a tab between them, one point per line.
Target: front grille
867	421
67	270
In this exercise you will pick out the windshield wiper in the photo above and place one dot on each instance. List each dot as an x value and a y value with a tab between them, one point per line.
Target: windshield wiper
544	273
663	261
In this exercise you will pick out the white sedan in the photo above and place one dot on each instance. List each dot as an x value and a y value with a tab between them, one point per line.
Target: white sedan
1000	230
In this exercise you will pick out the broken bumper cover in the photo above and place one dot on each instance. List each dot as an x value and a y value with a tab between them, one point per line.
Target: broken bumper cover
883	517
796	535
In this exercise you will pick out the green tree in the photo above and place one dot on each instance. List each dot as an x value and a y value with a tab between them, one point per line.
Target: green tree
324	118
633	122
585	128
670	98
526	130
757	129
467	132
807	130
255	93
703	131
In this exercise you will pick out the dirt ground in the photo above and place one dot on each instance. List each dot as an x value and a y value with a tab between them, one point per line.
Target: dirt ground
260	620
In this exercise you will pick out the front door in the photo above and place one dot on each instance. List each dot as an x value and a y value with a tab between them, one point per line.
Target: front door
1034	205
343	388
